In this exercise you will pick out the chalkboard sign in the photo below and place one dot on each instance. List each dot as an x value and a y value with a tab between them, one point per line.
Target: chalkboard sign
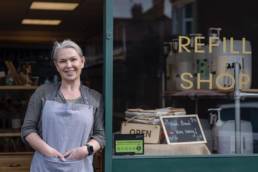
182	129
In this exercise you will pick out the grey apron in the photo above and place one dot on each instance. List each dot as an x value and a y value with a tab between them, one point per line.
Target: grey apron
64	126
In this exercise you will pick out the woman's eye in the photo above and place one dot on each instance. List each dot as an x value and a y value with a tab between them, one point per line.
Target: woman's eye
62	61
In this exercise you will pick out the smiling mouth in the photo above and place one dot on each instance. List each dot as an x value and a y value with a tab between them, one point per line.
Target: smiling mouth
69	72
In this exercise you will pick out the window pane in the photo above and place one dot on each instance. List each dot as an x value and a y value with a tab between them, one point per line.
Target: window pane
189	10
182	65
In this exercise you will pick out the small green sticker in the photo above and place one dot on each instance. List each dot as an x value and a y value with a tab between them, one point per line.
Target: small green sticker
130	146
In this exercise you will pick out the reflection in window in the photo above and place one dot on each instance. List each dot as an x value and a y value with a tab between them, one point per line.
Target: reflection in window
153	79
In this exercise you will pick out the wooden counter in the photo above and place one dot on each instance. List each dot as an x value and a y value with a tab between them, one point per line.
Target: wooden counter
15	162
20	162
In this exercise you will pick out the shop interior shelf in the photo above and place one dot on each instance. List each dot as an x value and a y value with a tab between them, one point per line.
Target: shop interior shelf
197	93
9	133
17	87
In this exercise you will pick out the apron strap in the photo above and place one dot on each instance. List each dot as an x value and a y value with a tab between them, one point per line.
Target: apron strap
84	94
86	98
54	94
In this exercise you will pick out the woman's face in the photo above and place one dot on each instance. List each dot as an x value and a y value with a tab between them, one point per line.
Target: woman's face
69	64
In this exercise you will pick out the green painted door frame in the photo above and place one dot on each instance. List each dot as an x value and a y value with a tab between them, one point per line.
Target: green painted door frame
214	163
186	164
108	80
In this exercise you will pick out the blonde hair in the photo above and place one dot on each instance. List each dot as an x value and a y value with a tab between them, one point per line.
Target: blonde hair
65	44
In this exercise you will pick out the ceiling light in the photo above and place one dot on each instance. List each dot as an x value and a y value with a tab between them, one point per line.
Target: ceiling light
37	5
41	22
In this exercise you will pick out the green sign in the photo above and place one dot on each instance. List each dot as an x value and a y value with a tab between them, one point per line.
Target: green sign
129	144
134	146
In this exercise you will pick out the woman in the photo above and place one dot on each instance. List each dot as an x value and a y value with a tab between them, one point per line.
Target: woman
64	122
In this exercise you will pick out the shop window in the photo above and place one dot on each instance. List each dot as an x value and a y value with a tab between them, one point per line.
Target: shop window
185	69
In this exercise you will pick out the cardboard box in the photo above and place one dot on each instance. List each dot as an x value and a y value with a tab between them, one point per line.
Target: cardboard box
151	132
179	149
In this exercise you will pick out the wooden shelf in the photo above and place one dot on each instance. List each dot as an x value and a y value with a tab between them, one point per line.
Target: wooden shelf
9	133
249	90
197	93
16	153
17	87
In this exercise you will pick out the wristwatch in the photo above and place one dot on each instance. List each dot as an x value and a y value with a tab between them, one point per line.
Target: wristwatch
89	148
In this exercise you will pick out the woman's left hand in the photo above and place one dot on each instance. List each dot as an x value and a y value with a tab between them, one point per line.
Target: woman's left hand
78	153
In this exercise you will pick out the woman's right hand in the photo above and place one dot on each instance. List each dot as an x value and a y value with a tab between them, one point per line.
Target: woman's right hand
41	146
51	152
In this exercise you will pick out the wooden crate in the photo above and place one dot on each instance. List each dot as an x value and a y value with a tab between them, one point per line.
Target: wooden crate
20	162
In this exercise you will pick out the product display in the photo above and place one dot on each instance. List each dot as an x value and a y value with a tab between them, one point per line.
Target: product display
151	116
159	125
226	138
223	128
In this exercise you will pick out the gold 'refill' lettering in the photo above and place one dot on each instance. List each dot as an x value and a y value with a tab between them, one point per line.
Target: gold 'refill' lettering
198	44
244	51
231	40
213	42
182	45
